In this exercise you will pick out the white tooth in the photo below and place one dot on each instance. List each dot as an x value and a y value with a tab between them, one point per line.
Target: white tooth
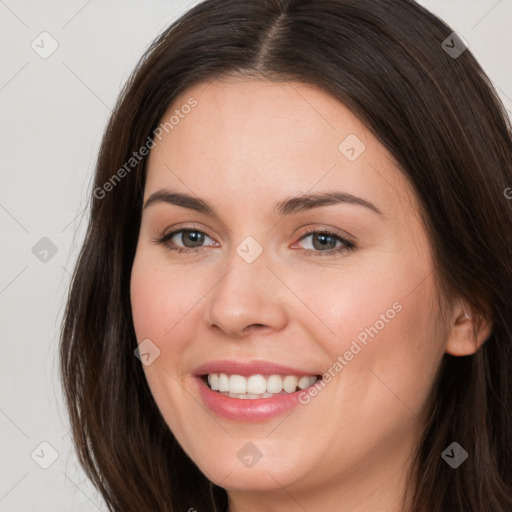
236	395
223	382
256	384
237	384
290	383
274	384
303	382
213	380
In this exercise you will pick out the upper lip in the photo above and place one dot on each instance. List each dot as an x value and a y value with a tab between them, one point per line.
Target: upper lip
248	368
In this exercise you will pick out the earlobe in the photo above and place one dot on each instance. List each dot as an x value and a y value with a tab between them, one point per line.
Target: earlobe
468	332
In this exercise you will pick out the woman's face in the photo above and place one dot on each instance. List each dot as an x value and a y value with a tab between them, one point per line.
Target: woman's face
265	298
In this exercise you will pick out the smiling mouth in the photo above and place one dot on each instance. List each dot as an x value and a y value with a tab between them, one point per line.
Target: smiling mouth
257	386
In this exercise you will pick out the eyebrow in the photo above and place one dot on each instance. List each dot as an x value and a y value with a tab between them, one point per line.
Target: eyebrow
288	206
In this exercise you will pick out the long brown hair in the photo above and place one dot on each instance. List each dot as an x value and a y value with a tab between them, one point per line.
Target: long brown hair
438	115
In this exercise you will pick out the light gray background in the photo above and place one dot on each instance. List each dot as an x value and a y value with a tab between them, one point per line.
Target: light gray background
53	112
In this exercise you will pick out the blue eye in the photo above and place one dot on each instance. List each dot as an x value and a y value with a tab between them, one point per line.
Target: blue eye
191	236
325	243
326	240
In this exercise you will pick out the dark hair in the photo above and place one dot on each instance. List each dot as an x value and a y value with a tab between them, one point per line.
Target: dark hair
438	115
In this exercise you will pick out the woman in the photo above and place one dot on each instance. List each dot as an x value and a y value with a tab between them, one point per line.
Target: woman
295	288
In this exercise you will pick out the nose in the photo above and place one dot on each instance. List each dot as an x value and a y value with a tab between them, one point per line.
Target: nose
247	298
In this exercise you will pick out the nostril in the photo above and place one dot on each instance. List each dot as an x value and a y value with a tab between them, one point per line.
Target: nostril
254	326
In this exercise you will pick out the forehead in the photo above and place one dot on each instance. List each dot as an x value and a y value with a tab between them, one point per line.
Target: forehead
252	140
238	115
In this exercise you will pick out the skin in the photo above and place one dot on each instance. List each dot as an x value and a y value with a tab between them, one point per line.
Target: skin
247	145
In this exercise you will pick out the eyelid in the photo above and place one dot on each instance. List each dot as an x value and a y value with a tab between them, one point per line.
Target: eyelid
348	242
324	229
186	227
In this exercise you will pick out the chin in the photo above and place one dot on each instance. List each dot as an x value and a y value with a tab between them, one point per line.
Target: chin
241	466
258	478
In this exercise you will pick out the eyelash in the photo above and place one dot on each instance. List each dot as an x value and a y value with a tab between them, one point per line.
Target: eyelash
348	245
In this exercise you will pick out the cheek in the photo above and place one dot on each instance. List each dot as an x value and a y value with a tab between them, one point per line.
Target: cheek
377	301
160	296
386	346
392	374
162	299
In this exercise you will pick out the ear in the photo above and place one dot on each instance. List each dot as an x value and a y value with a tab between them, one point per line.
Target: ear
468	331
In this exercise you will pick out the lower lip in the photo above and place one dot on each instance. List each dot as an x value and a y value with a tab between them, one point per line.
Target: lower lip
249	410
